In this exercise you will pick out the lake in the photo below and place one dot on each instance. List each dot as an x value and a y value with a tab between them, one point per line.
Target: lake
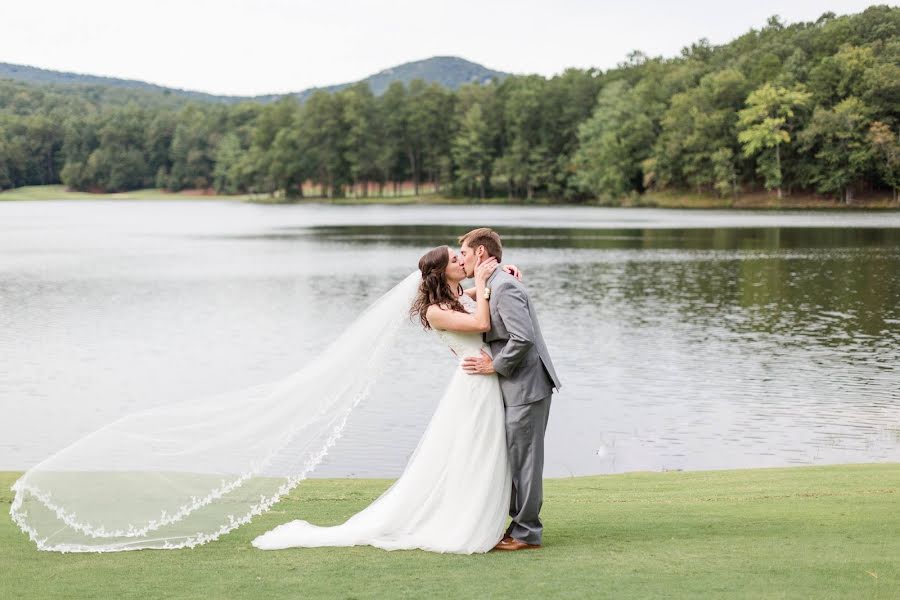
684	339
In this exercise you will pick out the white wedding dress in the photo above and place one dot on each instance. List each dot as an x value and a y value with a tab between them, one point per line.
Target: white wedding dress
453	495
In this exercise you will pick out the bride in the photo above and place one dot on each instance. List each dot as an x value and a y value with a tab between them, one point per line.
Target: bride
454	494
183	474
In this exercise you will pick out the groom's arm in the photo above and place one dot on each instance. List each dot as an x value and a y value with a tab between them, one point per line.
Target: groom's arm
512	307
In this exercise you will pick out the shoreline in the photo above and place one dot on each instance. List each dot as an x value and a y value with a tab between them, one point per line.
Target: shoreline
731	471
749	201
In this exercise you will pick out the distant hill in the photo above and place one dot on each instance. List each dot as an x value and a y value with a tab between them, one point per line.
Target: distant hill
448	71
36	75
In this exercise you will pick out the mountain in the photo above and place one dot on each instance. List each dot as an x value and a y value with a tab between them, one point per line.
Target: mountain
36	75
448	71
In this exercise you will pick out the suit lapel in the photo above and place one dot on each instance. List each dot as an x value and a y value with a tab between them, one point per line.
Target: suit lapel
490	283
491	304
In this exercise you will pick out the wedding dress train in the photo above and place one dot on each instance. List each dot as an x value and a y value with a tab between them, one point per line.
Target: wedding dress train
182	474
453	495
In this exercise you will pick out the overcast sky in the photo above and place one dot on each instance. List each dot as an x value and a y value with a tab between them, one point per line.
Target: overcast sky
250	47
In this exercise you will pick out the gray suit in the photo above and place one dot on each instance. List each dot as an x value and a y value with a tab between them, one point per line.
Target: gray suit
527	379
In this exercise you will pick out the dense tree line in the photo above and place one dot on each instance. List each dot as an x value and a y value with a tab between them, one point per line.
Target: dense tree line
802	107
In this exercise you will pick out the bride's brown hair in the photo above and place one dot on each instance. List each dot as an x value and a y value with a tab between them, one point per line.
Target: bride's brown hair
434	288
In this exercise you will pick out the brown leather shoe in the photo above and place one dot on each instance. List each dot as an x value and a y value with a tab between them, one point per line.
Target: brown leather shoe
513	545
506	539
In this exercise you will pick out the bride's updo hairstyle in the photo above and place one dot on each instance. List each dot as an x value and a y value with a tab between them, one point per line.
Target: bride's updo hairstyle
434	289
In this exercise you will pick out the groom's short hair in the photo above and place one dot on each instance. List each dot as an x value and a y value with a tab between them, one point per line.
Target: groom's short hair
484	236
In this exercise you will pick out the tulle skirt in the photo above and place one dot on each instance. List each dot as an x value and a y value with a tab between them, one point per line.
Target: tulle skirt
453	495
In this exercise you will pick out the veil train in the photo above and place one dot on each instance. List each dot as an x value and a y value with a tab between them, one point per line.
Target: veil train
182	475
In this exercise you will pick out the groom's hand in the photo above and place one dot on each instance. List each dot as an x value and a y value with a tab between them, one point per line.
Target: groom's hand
478	365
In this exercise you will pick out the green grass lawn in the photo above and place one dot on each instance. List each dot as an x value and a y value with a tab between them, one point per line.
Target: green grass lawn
810	532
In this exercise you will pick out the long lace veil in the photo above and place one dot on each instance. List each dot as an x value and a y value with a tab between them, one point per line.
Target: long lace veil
185	474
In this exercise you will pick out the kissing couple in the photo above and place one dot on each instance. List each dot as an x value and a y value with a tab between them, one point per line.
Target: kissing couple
481	457
183	474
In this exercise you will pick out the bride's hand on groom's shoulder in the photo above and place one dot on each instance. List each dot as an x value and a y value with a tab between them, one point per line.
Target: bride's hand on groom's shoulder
514	271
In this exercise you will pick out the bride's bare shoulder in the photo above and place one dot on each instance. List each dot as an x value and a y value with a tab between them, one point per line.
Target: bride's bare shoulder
434	311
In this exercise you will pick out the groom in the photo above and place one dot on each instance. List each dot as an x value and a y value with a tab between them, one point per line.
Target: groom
527	378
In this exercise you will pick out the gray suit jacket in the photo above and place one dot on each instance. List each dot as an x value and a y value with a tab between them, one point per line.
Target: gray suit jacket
520	355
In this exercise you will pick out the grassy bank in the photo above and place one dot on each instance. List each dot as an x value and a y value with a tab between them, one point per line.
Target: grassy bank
60	192
812	532
760	201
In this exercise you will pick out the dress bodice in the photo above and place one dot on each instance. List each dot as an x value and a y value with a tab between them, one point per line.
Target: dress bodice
463	344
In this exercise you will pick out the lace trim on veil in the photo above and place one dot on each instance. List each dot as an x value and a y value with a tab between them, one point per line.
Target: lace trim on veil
45	497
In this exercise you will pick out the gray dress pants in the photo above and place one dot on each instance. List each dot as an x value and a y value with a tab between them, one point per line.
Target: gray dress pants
525	428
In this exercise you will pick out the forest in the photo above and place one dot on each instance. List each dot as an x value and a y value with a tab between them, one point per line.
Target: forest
809	107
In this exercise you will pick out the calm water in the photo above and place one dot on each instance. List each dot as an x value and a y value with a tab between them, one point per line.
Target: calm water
685	340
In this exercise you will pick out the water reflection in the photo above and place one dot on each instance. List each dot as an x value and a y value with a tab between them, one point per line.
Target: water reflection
702	344
770	238
808	285
709	348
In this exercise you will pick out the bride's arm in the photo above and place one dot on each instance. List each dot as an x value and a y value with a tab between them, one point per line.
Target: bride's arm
452	320
511	269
